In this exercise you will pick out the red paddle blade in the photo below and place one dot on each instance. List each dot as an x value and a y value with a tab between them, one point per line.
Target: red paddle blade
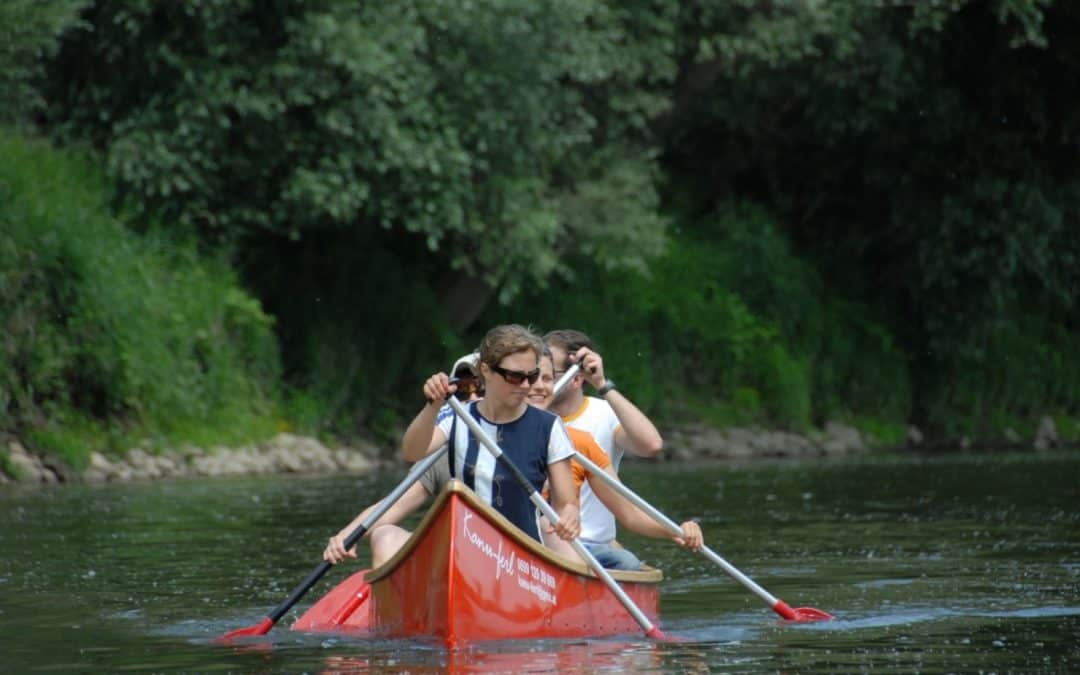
800	614
803	614
261	628
660	636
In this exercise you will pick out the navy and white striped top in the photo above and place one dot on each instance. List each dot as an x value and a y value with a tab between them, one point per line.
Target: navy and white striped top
532	442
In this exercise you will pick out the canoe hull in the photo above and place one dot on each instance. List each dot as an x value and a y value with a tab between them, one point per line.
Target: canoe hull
466	574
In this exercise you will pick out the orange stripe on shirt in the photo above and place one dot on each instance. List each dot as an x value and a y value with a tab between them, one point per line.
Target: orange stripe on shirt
585	444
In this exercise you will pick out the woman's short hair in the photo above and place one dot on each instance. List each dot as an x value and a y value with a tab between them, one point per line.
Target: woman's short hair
502	341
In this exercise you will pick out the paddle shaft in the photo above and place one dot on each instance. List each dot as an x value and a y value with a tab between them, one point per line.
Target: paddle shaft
779	606
565	379
672	527
355	536
650	629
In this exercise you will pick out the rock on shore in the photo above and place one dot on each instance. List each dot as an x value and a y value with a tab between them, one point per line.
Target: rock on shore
285	453
696	441
288	453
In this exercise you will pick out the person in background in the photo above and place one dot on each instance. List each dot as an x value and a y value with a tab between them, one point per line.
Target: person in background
626	513
614	422
466	371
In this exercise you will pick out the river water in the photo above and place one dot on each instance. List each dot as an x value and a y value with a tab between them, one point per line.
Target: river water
954	563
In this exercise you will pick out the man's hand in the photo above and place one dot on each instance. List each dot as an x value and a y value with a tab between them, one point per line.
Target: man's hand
592	366
693	539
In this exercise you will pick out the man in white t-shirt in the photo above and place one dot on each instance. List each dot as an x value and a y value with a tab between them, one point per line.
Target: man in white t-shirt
616	424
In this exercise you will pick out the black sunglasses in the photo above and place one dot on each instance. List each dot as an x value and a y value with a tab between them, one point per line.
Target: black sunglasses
516	377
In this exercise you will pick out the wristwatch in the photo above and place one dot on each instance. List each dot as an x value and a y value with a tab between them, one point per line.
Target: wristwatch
607	386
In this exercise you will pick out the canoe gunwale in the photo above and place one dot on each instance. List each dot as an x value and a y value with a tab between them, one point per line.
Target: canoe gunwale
648	575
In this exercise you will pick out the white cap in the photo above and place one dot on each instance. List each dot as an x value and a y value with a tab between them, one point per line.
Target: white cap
470	362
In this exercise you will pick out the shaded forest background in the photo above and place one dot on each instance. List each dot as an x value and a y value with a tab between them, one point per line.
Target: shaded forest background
220	220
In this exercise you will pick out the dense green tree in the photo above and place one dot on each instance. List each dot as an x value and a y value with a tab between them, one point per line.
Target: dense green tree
29	33
868	208
730	325
352	156
497	133
921	155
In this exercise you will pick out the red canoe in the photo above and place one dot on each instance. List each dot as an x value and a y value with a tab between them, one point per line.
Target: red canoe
468	574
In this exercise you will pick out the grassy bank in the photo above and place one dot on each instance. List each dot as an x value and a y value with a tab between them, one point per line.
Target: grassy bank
113	337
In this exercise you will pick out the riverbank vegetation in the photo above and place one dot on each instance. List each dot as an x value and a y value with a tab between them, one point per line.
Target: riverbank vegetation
112	334
226	219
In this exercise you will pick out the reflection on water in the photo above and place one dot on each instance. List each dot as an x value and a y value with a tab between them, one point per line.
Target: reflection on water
957	563
537	656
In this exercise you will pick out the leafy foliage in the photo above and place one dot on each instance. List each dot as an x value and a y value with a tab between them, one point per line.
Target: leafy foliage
918	155
496	132
105	326
29	32
731	324
868	206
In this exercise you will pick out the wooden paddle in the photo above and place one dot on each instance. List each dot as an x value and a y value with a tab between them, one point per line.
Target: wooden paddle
650	629
267	623
800	614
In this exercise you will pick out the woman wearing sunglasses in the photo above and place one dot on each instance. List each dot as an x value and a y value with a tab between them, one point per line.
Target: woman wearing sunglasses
535	440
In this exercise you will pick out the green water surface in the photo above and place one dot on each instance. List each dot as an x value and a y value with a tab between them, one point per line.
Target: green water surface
954	563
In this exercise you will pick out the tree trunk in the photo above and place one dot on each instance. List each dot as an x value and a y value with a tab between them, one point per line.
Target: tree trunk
464	298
